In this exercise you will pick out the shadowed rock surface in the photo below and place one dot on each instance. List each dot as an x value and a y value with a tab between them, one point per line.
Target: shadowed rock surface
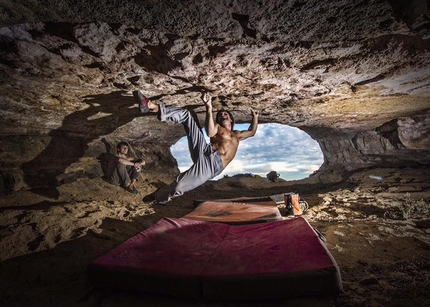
354	76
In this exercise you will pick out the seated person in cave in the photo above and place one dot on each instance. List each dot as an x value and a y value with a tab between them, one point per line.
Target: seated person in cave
209	160
124	170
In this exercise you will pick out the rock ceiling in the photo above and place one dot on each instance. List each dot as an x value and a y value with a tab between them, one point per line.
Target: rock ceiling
356	77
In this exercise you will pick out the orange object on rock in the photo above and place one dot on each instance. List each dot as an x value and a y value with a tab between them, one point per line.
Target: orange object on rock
292	204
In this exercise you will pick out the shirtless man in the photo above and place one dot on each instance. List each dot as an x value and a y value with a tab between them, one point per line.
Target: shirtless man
124	170
209	159
223	138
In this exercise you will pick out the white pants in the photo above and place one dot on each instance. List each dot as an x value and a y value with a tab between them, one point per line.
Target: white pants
207	161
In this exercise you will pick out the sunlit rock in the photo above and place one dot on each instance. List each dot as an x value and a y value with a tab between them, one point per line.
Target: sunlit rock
353	76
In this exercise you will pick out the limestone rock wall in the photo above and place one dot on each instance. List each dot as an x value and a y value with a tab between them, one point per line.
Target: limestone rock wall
355	76
291	20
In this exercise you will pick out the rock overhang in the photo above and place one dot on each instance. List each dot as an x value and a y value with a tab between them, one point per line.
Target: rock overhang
361	68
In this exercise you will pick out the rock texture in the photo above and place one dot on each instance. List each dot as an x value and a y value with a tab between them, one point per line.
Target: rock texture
356	77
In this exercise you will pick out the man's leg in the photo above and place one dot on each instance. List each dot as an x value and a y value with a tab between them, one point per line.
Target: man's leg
206	167
120	176
198	173
196	140
134	174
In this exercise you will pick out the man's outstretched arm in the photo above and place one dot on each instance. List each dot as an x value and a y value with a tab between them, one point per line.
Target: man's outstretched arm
211	128
242	135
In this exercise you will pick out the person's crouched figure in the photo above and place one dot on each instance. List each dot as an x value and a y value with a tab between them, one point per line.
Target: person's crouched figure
124	170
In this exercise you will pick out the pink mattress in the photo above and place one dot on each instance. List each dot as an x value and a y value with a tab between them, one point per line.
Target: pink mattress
218	261
236	211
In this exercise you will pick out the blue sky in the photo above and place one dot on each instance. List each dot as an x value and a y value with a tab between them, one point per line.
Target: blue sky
275	147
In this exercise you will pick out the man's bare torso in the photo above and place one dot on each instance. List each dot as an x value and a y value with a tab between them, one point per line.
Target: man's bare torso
226	143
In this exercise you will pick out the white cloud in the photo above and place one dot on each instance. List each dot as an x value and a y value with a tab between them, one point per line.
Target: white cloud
287	150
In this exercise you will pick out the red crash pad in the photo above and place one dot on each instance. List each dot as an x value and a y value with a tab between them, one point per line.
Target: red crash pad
237	211
218	261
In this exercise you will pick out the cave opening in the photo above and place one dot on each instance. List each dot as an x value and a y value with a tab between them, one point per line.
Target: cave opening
287	150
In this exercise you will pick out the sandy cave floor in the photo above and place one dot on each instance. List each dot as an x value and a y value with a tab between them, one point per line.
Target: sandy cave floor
377	231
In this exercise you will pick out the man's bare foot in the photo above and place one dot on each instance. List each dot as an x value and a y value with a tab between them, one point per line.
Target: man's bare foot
153	107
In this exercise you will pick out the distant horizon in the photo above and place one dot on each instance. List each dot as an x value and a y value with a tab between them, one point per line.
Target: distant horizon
287	150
